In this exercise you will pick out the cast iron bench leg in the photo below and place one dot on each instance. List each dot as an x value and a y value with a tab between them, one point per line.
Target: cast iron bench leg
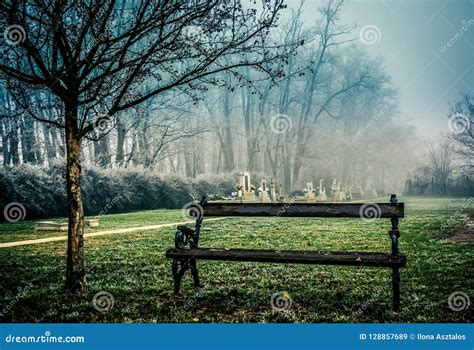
194	272
178	273
396	288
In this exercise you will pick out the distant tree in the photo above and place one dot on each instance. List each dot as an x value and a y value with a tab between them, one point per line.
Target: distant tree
440	161
96	58
461	121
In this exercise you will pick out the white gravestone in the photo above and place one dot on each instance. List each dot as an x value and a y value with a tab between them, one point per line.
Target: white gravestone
322	192
309	191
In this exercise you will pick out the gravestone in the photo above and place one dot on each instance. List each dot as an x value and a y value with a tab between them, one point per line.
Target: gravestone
349	193
321	192
334	191
244	182
280	193
273	194
245	192
341	192
263	191
309	191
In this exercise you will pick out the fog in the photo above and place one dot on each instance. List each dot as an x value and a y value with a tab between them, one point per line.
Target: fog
412	44
370	95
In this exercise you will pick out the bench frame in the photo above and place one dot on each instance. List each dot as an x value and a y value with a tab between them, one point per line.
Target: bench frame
187	249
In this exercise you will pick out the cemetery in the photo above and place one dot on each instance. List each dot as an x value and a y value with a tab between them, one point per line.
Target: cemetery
246	192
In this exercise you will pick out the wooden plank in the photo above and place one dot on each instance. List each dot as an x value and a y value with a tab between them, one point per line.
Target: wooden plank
350	210
45	223
292	256
50	226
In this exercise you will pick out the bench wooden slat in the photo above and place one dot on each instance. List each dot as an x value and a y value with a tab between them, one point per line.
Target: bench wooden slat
349	210
291	256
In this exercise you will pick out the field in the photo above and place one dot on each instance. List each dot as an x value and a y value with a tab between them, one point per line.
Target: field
133	269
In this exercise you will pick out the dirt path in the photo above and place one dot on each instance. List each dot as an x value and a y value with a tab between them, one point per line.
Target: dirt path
463	233
99	233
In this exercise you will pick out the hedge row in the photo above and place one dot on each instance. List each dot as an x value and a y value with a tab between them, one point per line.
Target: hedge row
41	191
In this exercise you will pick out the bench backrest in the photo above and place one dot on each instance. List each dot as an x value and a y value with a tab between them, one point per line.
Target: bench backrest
348	210
392	210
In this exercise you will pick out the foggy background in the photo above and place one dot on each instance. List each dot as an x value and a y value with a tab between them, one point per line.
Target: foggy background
413	33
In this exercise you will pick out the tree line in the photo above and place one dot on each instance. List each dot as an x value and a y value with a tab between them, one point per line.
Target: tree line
319	107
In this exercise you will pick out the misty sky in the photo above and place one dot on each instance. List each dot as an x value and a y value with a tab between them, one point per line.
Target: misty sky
412	36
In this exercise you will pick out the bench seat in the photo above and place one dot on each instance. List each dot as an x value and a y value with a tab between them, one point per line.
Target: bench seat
291	256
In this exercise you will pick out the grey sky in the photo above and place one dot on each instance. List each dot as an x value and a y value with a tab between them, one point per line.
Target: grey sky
413	35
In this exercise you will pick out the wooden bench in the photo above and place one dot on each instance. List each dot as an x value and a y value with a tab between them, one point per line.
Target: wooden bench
51	226
62	226
186	251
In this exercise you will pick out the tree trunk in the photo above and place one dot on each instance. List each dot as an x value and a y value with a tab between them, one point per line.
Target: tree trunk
252	140
50	151
13	141
287	183
121	134
12	130
5	151
228	150
298	161
75	272
28	140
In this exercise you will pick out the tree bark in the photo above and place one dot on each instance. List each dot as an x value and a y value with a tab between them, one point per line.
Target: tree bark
121	135
5	151
228	150
28	140
13	141
75	271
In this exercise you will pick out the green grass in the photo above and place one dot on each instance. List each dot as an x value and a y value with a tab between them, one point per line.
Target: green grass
24	230
133	269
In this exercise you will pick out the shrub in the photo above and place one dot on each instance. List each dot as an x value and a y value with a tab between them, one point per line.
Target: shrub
42	191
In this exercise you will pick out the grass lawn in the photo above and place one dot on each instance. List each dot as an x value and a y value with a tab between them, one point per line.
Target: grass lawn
133	269
25	230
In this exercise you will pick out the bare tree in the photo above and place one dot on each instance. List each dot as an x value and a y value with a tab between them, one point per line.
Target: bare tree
461	120
98	58
441	163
